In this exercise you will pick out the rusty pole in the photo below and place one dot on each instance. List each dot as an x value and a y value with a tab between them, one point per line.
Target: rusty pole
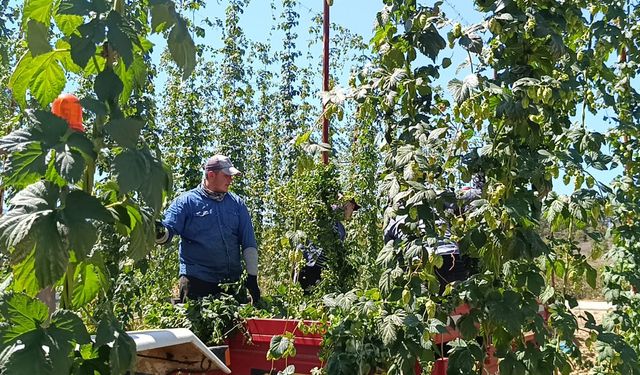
325	77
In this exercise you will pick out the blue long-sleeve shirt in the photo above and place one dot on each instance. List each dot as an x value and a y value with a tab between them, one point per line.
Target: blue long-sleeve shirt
212	234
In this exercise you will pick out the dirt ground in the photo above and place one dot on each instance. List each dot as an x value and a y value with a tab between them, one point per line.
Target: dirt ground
588	354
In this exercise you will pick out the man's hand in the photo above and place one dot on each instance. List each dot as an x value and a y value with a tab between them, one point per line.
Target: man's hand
254	290
162	234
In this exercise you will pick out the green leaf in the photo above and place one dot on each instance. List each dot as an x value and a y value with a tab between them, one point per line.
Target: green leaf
73	7
26	166
123	348
125	131
118	39
23	312
69	164
462	90
21	77
82	49
89	280
15	141
429	42
107	86
388	329
37	38
158	181
142	234
133	77
65	57
80	206
67	23
45	344
132	169
281	346
163	16
472	42
122	357
38	10
24	275
51	255
32	217
93	105
48	79
67	326
51	127
592	276
182	48
82	235
80	142
25	358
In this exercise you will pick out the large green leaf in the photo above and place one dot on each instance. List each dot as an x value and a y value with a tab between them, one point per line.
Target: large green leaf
48	80
82	49
123	348
107	86
182	48
73	7
80	142
32	218
133	77
26	166
51	256
118	39
132	169
38	10
49	127
37	38
42	74
45	344
281	346
30	148
15	141
158	182
93	105
24	276
67	326
65	59
69	164
23	313
89	279
28	206
429	42
67	23
462	90
25	358
142	233
82	235
21	78
125	131
80	206
163	16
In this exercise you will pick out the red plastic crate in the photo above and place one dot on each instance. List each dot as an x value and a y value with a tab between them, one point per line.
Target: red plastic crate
250	358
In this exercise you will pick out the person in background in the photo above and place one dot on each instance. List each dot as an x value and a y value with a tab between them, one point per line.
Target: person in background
215	232
315	260
455	267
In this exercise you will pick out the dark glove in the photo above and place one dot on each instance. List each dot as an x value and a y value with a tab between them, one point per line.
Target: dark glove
162	234
252	286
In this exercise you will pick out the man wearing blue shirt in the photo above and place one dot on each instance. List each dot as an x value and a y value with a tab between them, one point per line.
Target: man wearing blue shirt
215	232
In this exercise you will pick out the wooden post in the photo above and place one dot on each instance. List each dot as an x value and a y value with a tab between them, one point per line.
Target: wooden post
325	77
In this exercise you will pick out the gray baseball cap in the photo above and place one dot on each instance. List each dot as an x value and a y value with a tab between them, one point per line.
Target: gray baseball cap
221	163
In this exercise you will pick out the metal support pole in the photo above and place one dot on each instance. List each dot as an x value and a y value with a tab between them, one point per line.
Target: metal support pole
325	77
